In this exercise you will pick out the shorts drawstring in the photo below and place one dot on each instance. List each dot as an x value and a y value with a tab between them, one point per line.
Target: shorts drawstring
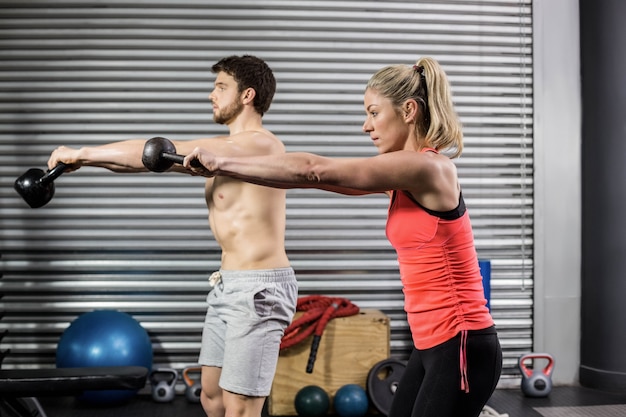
463	362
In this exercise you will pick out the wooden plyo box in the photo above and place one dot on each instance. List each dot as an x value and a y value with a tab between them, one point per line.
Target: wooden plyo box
349	348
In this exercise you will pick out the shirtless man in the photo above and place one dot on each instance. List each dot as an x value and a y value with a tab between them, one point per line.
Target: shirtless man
239	347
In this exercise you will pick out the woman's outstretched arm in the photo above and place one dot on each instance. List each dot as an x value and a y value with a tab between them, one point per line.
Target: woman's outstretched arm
353	176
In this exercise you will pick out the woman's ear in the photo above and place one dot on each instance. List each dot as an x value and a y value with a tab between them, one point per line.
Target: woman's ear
409	110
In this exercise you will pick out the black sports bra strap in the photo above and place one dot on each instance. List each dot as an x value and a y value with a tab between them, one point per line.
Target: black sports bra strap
453	214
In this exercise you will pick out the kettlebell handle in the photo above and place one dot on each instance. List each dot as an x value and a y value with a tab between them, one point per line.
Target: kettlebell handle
547	370
173	375
190	369
53	174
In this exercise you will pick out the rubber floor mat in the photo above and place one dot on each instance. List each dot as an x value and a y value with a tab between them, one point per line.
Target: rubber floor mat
583	411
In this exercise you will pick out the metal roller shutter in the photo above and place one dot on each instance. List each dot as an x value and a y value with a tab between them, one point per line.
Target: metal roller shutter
85	73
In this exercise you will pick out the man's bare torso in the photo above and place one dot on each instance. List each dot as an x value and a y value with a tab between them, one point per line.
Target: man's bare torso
248	222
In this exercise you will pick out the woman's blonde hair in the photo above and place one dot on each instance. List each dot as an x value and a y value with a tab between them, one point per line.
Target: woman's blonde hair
425	82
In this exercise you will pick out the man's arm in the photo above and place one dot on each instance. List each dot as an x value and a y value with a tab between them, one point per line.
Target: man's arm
125	156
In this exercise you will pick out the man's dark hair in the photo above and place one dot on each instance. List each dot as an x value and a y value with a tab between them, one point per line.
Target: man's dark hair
250	72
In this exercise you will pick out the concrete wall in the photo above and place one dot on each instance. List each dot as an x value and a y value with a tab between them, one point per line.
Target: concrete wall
557	141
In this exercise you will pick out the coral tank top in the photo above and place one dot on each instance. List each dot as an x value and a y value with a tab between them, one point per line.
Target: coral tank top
442	285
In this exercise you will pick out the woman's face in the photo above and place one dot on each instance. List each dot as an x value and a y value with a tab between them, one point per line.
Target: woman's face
387	128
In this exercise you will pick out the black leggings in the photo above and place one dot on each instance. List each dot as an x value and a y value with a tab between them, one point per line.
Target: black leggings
431	383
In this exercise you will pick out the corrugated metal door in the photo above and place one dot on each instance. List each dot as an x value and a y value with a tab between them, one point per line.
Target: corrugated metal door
85	73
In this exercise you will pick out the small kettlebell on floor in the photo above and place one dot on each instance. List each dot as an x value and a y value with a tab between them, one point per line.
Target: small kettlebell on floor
163	382
536	382
193	387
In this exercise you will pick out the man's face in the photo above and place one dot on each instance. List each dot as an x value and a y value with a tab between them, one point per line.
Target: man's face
226	99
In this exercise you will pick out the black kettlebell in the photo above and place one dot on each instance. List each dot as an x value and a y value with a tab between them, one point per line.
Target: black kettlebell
36	186
163	382
159	154
536	382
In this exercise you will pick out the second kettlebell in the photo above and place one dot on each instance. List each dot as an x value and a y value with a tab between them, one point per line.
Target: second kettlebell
536	382
163	382
193	386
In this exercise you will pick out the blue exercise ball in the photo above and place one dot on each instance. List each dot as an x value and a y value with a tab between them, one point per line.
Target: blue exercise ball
351	401
104	338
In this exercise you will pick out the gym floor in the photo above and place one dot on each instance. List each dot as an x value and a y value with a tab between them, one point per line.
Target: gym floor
568	401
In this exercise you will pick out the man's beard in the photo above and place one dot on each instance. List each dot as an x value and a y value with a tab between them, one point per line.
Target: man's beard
228	113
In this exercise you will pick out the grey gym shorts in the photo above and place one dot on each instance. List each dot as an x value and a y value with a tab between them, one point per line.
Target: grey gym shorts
245	322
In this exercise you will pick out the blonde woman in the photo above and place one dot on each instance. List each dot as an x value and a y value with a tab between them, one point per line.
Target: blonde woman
457	359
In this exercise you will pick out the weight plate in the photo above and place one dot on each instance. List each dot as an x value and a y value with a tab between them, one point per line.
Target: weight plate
382	382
